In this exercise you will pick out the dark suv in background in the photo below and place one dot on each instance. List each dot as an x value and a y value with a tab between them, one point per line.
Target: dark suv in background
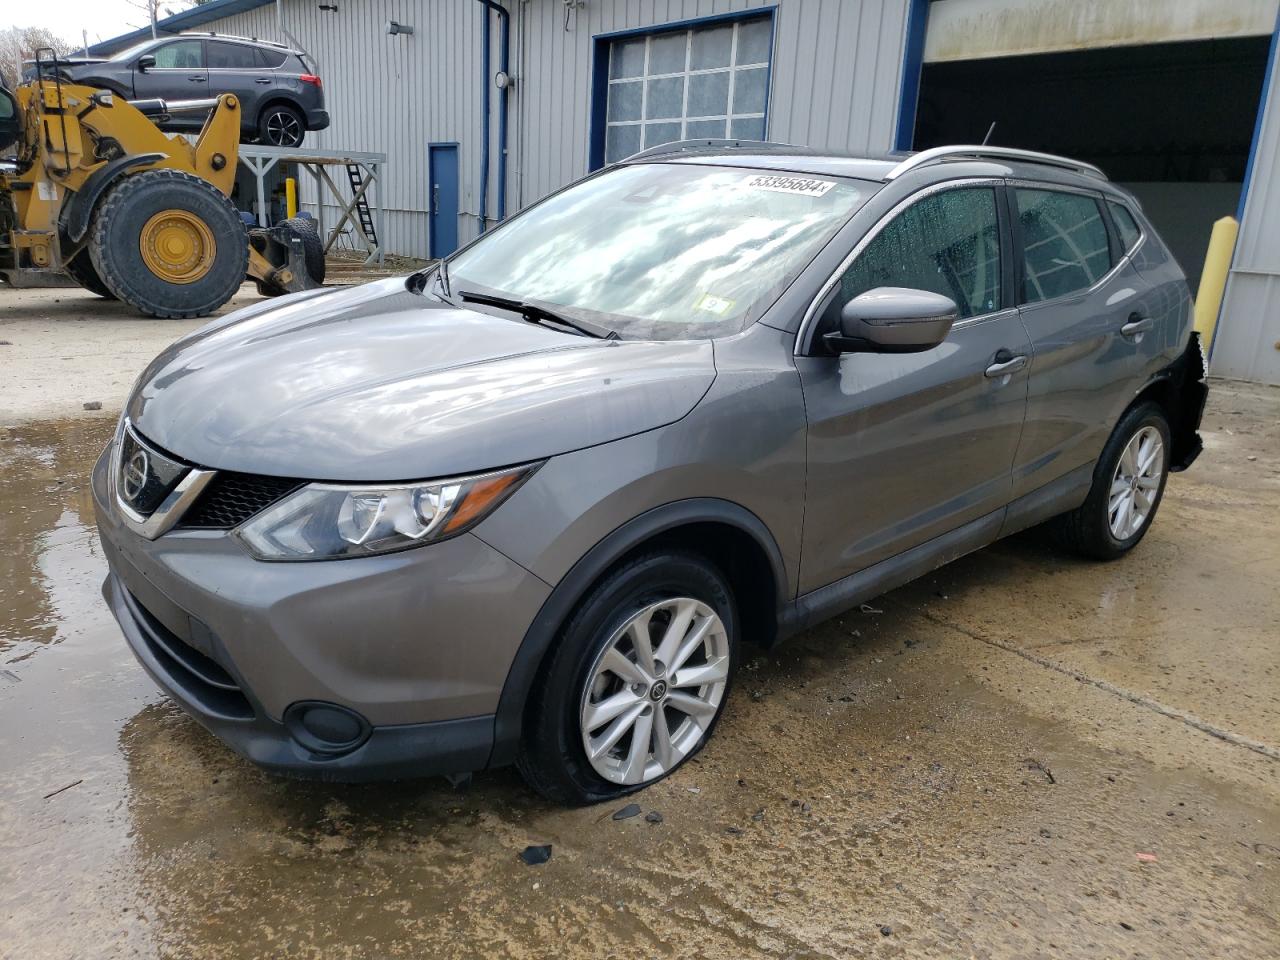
281	94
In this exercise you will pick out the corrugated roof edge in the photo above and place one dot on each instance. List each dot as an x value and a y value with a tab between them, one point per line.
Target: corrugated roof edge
195	17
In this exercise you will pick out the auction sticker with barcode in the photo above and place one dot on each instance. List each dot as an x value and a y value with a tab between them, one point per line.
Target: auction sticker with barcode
803	185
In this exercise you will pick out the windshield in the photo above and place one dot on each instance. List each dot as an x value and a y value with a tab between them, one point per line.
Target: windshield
662	251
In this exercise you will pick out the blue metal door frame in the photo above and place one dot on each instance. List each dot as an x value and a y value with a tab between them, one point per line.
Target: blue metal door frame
912	63
442	197
1268	78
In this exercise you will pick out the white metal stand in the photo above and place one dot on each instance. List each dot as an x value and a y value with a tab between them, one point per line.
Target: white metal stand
260	160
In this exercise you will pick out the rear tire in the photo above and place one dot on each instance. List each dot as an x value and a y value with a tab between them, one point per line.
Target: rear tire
312	248
274	249
281	126
1126	491
80	269
169	244
649	593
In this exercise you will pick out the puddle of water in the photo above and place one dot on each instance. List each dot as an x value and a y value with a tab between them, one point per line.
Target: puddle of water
874	771
51	565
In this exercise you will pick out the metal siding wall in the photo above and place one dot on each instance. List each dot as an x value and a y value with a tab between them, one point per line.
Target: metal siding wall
837	68
392	95
836	74
1247	345
975	29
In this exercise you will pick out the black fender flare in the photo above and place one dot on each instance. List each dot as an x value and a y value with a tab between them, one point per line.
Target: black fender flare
1189	378
78	212
277	99
1183	391
565	596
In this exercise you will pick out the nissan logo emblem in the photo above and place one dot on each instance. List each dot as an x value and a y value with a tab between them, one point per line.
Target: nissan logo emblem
134	475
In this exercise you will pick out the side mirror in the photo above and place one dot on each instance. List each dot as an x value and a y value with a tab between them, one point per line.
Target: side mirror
146	62
893	320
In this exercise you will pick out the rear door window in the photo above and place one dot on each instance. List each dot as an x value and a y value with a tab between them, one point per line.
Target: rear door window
1126	226
1064	243
946	243
231	56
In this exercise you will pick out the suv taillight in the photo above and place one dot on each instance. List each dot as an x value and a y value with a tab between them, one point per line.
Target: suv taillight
310	78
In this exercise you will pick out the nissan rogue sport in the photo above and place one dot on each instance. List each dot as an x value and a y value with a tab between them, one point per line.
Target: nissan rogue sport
528	504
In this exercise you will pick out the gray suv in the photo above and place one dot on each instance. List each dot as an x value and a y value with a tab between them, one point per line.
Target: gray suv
529	504
282	96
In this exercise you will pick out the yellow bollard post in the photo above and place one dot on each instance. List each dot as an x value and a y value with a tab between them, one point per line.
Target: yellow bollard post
1213	279
290	197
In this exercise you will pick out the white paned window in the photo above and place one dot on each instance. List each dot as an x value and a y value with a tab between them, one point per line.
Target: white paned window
706	82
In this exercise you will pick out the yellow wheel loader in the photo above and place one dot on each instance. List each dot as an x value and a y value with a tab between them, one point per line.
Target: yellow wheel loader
96	191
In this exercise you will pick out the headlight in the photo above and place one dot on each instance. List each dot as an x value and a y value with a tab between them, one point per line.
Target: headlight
324	521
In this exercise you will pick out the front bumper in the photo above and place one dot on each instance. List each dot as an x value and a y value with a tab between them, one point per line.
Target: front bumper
418	644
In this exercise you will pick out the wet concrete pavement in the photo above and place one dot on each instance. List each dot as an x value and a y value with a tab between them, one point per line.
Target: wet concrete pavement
1020	756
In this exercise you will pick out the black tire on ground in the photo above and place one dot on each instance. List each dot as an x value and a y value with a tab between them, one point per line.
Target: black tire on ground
1086	530
80	269
312	247
552	758
116	254
281	125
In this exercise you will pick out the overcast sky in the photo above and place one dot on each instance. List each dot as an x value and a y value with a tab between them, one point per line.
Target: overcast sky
103	19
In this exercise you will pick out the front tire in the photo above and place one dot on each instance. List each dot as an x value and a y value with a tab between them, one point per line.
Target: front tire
1128	485
169	244
636	683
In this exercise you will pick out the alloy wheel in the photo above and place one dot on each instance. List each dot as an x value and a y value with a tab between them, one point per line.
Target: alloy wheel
283	129
1135	483
654	690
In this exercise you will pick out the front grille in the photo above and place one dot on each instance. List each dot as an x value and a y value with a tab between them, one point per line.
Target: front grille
195	675
232	498
147	475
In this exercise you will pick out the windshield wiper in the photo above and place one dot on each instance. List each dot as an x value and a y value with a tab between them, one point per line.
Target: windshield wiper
537	313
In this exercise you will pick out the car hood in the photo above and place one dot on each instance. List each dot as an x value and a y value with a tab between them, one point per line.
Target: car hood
376	383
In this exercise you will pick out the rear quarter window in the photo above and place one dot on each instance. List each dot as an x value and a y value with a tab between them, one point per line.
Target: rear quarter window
271	59
1126	225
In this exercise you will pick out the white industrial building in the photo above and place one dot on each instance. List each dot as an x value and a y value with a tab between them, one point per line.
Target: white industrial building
1177	100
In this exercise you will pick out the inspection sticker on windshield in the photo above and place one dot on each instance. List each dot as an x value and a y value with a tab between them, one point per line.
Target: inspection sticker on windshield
803	185
716	305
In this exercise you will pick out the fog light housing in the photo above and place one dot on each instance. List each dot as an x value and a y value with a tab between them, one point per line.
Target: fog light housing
326	728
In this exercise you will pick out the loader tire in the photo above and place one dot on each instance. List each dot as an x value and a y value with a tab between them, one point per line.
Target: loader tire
80	269
312	248
169	244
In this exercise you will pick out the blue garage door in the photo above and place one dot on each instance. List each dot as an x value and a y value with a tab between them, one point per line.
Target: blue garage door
704	81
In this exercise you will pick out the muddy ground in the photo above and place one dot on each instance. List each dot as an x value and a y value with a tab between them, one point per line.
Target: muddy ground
1023	755
62	348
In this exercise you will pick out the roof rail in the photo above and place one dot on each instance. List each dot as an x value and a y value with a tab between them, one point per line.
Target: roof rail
232	36
714	146
939	154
